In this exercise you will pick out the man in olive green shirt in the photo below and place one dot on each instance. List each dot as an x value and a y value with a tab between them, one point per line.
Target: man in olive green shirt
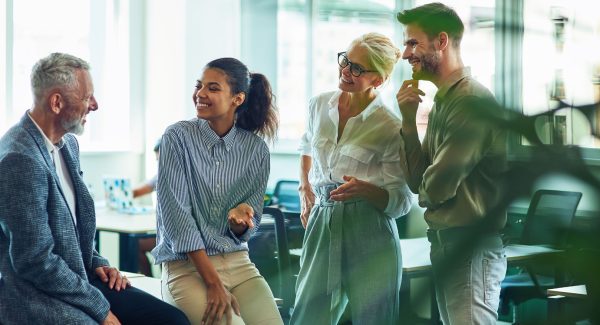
456	170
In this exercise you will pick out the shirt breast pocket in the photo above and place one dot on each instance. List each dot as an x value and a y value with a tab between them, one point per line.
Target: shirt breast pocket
322	150
355	161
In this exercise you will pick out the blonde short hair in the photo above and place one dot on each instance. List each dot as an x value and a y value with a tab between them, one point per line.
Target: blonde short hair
383	54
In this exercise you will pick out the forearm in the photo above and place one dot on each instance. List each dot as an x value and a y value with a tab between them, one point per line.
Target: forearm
415	160
205	268
400	201
377	196
33	251
305	165
142	190
56	279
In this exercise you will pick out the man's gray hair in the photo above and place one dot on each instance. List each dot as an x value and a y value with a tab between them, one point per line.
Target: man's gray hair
56	70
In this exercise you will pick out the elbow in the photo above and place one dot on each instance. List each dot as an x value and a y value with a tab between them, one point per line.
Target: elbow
406	205
400	205
433	198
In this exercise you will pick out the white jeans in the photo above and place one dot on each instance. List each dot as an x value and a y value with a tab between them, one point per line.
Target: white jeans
467	280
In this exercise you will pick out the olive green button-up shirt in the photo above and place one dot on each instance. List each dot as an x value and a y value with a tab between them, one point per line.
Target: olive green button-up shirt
457	170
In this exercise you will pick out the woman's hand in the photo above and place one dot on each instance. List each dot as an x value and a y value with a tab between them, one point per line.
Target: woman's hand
355	188
240	218
112	277
219	302
307	199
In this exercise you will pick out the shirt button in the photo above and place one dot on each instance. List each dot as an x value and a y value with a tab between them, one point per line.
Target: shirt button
218	185
217	163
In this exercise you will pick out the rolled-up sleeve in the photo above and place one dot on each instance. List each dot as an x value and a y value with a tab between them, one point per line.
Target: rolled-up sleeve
466	141
174	208
305	142
256	199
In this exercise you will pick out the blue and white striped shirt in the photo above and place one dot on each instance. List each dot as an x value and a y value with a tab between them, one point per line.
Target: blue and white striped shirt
200	178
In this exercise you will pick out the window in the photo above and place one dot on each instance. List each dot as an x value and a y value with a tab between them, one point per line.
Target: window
309	36
310	33
3	97
477	50
96	31
561	62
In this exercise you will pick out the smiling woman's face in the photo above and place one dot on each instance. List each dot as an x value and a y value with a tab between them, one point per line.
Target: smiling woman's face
213	97
358	55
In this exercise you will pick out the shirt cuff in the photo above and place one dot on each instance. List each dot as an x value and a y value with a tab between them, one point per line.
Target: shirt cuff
391	205
189	242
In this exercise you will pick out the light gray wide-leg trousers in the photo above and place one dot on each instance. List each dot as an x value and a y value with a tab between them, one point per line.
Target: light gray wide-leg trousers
351	254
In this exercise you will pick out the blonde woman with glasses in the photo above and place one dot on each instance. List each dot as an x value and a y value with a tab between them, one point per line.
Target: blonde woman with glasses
352	188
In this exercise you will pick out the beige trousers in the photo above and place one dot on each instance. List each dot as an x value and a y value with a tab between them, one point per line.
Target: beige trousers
183	287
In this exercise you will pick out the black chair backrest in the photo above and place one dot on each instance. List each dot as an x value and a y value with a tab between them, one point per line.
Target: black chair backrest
549	217
286	194
286	279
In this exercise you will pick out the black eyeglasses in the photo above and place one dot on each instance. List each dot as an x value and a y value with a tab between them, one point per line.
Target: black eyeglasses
355	69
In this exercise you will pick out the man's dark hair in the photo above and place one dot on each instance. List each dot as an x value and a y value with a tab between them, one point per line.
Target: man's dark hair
434	18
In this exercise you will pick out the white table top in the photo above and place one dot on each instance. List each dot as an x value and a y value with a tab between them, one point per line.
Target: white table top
147	284
573	291
111	220
516	253
415	253
131	275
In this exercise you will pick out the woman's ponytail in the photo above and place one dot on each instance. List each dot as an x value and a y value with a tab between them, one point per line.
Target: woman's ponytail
258	114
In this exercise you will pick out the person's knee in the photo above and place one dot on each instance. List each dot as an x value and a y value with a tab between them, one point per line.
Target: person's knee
177	317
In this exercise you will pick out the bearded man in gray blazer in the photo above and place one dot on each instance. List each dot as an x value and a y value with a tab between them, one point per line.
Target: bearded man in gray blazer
49	270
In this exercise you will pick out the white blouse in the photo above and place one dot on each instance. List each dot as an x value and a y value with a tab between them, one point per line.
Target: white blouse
370	149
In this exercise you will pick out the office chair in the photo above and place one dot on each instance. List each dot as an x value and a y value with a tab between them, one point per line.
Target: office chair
286	195
547	223
286	279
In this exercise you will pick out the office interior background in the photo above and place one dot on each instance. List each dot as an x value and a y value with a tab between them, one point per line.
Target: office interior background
147	54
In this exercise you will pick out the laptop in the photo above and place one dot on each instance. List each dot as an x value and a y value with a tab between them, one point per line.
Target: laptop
118	194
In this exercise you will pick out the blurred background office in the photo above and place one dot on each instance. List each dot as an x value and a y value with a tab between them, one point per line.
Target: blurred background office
146	55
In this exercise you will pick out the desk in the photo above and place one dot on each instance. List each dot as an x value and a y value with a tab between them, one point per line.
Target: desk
416	262
131	275
415	254
130	228
571	292
147	284
558	299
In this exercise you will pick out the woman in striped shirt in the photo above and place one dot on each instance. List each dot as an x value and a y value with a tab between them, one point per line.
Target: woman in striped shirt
213	171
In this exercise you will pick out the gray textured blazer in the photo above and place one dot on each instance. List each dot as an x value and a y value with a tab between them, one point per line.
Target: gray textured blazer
45	260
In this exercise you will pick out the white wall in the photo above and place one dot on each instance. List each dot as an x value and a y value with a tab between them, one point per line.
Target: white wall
181	37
